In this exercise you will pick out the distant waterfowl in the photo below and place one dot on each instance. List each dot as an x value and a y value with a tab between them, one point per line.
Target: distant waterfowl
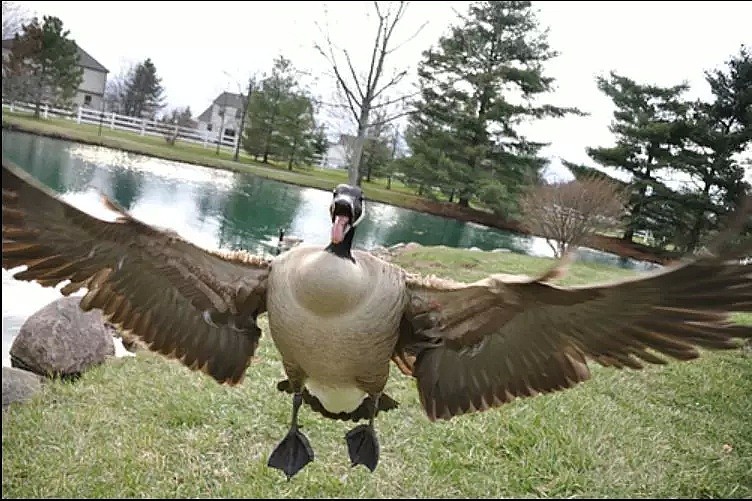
339	317
287	242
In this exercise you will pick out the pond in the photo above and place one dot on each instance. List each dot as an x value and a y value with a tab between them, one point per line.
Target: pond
220	209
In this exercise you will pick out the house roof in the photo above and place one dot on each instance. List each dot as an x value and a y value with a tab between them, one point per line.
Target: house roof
84	58
227	99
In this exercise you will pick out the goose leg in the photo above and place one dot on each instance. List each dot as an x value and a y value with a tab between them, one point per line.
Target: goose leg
294	451
362	444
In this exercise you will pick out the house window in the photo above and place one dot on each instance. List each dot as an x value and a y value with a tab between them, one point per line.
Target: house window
237	114
87	100
230	132
209	127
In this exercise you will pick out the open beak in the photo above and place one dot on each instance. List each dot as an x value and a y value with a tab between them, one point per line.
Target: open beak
342	210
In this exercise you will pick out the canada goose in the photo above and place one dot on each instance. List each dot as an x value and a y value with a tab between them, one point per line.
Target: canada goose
287	242
338	316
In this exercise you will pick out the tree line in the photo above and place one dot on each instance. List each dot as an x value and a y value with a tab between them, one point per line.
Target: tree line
462	137
485	78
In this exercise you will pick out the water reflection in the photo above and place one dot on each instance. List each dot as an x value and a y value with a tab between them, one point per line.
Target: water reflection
219	209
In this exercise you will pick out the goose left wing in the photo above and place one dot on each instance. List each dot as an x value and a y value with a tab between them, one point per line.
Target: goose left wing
184	302
479	345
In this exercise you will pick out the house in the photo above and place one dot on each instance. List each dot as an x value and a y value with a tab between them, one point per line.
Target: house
225	112
90	93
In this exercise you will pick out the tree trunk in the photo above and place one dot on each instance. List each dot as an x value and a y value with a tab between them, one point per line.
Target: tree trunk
353	174
637	209
292	154
268	140
38	104
695	233
464	201
389	182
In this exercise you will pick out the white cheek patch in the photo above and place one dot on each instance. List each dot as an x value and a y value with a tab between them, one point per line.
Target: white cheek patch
362	213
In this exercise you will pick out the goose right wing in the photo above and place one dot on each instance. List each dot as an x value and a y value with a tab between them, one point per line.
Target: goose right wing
476	346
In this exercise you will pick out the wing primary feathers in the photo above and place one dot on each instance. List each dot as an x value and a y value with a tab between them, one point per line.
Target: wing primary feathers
145	280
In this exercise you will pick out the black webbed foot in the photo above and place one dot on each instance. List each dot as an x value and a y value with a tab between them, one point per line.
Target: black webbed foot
363	446
292	453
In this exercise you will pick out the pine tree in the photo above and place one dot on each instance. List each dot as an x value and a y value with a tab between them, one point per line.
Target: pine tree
265	109
294	137
144	94
319	144
43	64
476	86
649	124
281	118
718	131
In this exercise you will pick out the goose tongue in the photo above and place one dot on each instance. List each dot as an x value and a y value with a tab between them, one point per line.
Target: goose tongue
339	228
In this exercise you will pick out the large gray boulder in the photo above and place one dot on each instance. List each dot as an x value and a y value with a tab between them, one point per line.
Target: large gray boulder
19	385
61	340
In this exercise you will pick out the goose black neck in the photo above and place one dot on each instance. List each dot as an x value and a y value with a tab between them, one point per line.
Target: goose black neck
344	248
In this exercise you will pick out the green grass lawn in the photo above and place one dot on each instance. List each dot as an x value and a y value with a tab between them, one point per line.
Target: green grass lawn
147	427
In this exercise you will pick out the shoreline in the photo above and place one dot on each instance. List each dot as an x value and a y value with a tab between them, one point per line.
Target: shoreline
602	243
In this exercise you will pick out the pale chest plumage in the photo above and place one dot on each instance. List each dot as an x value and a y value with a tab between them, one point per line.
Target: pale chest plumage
334	319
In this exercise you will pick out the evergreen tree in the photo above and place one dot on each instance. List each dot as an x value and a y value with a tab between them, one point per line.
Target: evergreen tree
281	118
319	144
649	124
718	132
182	117
43	64
476	86
144	94
294	138
266	107
377	152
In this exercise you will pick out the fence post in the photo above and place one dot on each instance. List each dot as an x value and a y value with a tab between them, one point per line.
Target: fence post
235	142
78	116
206	138
112	121
12	106
143	125
46	111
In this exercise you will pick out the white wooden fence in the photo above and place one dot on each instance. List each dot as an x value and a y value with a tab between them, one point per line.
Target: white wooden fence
141	126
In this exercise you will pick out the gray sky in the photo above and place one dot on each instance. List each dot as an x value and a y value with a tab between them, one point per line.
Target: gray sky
196	44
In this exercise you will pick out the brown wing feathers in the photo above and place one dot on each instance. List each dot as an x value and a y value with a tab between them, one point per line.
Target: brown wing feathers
144	280
479	347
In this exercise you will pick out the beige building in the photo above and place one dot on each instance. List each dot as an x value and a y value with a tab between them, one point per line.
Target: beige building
225	112
90	92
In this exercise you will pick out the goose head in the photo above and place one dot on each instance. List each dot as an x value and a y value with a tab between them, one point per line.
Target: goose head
346	210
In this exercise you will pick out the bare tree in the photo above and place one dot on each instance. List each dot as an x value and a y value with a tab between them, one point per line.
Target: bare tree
567	214
14	17
116	86
362	93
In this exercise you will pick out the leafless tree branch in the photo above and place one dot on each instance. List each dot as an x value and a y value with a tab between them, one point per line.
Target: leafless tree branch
14	17
354	75
409	39
567	214
368	90
391	118
390	102
394	81
352	100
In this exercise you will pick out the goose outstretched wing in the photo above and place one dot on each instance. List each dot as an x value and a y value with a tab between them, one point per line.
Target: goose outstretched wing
478	345
184	302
